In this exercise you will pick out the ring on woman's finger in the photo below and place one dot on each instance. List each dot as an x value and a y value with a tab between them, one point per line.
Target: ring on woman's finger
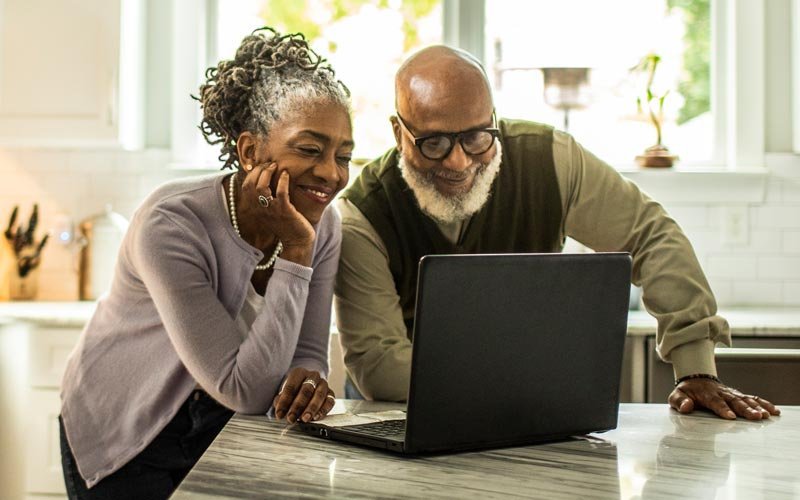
310	382
264	201
332	398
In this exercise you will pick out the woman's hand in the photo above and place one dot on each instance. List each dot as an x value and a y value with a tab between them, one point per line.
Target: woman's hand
305	396
280	218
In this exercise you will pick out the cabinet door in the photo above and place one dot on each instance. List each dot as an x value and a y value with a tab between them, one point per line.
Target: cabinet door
60	72
43	457
49	349
766	374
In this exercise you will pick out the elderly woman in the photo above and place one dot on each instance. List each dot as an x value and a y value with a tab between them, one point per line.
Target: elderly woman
221	298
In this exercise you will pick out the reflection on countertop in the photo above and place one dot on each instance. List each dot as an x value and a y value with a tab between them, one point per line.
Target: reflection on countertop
654	453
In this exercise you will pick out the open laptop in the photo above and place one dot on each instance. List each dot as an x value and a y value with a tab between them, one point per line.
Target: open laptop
508	349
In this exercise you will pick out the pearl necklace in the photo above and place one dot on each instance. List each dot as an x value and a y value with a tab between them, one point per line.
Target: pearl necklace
235	222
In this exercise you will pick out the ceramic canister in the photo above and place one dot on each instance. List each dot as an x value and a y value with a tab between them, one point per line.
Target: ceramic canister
100	237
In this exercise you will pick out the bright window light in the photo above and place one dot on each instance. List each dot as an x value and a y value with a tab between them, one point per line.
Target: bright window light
607	38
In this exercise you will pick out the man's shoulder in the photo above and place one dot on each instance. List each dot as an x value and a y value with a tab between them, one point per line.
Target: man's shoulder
374	177
513	128
382	165
352	218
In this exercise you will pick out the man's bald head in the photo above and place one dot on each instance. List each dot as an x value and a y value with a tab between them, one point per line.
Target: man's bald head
440	80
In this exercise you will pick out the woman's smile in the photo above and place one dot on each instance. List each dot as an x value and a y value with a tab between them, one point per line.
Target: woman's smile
318	194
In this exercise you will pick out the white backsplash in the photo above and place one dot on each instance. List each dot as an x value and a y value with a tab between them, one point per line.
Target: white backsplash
78	183
764	271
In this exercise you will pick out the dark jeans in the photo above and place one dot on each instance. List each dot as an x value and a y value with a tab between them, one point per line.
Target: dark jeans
158	469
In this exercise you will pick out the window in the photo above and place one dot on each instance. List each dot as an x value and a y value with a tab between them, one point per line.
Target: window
724	134
588	61
796	74
364	40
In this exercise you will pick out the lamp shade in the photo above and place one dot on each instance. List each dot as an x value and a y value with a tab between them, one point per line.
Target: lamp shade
566	88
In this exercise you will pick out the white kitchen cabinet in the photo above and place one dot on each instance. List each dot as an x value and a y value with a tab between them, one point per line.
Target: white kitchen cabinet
71	73
33	357
48	350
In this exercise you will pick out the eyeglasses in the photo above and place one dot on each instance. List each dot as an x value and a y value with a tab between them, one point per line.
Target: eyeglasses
439	145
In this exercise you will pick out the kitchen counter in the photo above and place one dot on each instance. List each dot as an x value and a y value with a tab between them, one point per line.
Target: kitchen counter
752	321
655	453
59	314
744	321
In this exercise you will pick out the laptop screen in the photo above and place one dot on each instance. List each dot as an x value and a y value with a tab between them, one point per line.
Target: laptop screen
516	347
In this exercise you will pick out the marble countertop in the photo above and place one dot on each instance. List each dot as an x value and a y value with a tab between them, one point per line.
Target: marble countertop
655	453
752	321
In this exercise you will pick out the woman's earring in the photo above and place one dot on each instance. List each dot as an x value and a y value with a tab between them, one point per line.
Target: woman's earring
248	167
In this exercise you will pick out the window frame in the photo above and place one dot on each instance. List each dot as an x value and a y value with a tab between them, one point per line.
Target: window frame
795	15
737	100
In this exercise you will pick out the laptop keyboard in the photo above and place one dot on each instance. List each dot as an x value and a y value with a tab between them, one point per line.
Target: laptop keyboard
386	428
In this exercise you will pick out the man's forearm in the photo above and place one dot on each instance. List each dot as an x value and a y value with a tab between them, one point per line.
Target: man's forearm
383	373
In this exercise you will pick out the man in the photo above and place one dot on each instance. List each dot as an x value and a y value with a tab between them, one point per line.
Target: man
461	181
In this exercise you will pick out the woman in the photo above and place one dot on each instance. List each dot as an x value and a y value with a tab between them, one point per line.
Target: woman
223	285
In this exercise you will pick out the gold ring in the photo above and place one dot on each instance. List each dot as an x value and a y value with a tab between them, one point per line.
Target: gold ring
333	398
311	382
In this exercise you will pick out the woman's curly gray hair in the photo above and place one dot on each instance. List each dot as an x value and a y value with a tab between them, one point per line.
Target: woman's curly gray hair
269	75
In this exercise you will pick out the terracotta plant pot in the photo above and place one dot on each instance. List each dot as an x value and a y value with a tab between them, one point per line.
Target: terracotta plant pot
657	156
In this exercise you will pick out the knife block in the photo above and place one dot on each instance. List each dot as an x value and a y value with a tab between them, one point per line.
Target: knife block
12	285
8	265
24	288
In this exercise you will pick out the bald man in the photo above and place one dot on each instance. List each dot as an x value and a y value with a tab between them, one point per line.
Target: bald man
459	180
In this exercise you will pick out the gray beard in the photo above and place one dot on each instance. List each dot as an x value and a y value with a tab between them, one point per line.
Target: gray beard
447	209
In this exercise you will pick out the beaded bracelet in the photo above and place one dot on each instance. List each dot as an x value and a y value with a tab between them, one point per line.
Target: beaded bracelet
698	375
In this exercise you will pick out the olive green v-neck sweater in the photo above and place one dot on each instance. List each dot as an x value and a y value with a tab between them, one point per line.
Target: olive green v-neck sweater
523	214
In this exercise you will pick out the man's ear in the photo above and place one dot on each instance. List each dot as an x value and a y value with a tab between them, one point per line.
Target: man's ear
398	134
246	149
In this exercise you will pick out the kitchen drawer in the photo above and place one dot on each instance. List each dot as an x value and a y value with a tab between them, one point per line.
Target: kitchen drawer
48	349
632	381
756	365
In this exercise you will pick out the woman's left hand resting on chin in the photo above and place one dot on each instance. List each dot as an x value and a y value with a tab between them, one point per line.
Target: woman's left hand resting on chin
300	399
282	219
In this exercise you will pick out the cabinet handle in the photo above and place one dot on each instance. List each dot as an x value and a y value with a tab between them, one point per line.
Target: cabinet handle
755	354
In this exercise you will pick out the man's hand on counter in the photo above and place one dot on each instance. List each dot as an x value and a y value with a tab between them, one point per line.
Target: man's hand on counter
725	401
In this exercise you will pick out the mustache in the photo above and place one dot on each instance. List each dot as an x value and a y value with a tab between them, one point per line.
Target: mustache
455	175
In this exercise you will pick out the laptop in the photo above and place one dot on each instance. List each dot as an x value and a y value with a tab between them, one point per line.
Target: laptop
508	349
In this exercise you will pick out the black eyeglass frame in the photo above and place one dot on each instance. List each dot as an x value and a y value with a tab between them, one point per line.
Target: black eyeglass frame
453	136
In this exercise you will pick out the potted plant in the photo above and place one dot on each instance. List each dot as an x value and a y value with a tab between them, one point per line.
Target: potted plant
657	155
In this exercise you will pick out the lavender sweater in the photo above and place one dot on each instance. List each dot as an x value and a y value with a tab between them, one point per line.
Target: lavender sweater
168	324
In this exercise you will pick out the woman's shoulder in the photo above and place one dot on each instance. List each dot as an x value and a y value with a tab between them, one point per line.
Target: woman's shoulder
172	191
185	198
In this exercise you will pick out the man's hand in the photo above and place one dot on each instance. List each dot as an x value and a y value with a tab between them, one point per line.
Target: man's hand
304	396
725	401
